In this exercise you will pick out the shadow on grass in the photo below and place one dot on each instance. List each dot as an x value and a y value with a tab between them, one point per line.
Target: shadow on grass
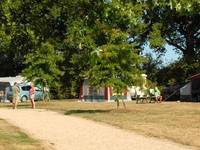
89	111
19	106
6	106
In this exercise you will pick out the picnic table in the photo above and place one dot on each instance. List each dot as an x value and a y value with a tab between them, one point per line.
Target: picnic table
145	99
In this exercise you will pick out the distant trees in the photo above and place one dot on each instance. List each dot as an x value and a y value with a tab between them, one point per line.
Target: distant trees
175	23
177	72
66	41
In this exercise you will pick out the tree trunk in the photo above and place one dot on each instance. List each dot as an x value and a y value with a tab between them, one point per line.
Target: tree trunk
189	53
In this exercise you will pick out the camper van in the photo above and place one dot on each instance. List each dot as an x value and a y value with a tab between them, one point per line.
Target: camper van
24	92
6	84
3	90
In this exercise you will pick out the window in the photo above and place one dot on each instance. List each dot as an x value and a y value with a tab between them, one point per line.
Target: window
38	90
26	88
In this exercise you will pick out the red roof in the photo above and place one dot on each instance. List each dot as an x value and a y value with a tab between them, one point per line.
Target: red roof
196	76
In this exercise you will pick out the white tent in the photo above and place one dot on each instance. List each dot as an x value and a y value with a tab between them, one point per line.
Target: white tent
186	91
12	80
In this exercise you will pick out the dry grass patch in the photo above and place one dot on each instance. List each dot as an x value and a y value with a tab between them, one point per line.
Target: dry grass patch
11	138
179	122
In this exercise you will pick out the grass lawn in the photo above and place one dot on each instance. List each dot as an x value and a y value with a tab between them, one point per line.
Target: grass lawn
11	138
179	122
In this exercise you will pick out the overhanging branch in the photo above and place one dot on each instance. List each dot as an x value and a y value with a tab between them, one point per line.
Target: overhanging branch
197	33
175	44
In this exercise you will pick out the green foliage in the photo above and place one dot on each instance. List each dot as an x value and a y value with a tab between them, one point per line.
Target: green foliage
44	63
5	39
88	38
173	22
155	37
177	72
151	66
115	66
182	6
99	40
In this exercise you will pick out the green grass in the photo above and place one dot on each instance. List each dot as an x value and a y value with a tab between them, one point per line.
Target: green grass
12	138
179	122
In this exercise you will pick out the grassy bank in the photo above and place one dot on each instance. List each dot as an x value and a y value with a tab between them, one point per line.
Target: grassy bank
179	122
11	138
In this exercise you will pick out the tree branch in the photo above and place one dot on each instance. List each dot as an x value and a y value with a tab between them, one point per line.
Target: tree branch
171	42
197	33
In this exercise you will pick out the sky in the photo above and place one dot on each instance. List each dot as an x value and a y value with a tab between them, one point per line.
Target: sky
169	57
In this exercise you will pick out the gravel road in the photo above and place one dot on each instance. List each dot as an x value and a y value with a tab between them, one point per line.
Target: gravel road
74	133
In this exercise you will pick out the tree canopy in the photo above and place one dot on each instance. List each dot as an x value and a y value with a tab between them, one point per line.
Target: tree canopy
66	41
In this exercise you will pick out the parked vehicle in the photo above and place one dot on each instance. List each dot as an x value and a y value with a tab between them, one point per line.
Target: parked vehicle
3	90
24	92
6	83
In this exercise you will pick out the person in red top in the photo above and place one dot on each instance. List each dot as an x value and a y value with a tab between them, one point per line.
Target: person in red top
32	94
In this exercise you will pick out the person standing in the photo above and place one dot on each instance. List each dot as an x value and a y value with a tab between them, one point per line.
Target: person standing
16	92
32	95
158	95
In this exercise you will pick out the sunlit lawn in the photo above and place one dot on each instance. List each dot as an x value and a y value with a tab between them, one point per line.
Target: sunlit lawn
179	122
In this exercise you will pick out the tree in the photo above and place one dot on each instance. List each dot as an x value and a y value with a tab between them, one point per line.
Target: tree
4	50
177	72
77	29
182	6
151	66
29	26
102	26
102	51
117	66
43	63
175	23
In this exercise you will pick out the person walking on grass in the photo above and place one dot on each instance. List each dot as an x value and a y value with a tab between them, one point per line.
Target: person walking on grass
16	92
32	94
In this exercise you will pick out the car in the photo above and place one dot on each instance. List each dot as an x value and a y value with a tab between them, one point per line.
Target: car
3	89
24	92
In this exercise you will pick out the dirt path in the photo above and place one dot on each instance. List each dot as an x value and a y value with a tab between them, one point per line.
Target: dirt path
73	133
